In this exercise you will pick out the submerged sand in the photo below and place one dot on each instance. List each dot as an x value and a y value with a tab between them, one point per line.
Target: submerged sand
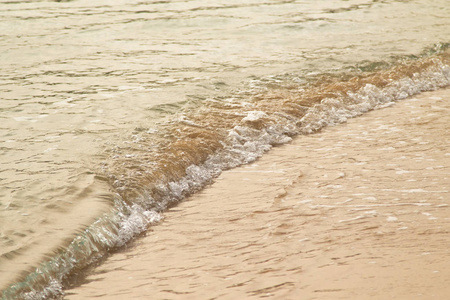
357	211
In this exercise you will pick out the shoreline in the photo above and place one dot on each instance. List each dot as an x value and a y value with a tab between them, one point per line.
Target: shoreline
359	210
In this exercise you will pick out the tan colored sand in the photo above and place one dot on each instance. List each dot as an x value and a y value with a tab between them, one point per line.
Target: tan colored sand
358	211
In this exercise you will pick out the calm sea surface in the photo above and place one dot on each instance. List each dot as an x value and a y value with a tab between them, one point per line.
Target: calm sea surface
111	111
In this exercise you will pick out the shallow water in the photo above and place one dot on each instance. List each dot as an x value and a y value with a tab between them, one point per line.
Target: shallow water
356	211
106	107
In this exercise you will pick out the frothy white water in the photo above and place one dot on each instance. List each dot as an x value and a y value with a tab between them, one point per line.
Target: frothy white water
243	145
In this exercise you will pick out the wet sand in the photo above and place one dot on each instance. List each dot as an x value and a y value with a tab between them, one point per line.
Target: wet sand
357	211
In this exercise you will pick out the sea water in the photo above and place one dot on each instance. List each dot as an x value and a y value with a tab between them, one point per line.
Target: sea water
113	112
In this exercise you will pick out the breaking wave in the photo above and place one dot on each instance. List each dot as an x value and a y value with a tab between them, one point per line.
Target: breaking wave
158	167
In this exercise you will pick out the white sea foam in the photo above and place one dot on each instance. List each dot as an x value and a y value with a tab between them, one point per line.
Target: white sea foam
332	111
391	219
255	115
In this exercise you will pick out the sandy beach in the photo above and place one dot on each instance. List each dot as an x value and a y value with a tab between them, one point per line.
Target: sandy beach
356	211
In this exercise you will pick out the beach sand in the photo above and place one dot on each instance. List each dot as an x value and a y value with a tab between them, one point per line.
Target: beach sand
356	211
